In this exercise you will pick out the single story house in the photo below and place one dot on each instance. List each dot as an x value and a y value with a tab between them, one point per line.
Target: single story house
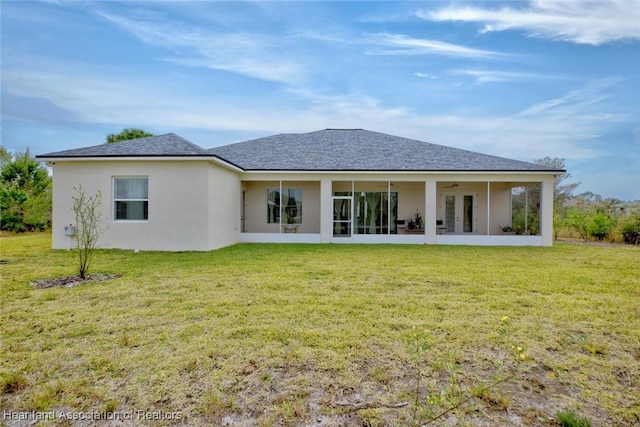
330	186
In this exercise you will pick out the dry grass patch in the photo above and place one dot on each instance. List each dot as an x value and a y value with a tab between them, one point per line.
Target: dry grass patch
304	334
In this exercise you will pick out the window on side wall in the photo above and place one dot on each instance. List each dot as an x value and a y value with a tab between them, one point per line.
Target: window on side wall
288	205
131	198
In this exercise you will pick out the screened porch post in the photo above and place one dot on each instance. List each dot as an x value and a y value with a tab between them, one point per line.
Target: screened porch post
488	207
326	210
280	209
546	212
388	207
430	210
526	208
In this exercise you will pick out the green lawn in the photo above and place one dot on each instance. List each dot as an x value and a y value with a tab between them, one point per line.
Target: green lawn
304	334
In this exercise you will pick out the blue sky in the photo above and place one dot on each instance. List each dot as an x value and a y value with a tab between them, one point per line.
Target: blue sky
523	80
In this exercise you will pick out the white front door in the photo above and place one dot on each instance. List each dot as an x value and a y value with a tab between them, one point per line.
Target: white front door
459	213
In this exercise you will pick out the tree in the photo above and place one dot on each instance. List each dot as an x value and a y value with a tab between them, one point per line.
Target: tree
88	227
126	134
561	190
5	156
25	193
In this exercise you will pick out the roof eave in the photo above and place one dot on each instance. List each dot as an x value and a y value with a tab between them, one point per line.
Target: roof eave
408	171
46	157
178	157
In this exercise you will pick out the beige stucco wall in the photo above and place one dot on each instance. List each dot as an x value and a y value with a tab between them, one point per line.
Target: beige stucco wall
500	206
182	204
224	207
410	199
256	205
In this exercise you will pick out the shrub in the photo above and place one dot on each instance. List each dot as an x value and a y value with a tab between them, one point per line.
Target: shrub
629	228
599	226
577	220
88	227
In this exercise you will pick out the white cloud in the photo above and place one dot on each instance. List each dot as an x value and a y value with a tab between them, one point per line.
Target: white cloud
575	101
492	76
378	18
585	22
398	44
425	76
252	55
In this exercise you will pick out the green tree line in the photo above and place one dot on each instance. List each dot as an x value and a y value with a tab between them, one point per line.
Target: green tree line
590	217
25	192
587	216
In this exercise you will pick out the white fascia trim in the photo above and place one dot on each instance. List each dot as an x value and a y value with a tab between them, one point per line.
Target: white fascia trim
211	159
225	164
444	176
383	172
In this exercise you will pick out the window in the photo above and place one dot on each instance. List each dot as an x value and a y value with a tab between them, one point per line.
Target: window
372	210
288	205
131	198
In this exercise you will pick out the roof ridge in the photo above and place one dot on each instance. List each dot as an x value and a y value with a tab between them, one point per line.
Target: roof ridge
185	140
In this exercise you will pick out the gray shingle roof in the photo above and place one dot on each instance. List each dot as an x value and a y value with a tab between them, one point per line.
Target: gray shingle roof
359	150
168	144
325	150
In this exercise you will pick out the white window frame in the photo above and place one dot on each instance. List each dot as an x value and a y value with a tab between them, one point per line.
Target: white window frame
113	192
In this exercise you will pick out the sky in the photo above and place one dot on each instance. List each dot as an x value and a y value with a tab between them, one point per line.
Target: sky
523	80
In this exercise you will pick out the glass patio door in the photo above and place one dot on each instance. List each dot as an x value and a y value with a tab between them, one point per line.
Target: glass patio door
342	214
459	213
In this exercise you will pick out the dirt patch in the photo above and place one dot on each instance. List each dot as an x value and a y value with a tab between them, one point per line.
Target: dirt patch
71	281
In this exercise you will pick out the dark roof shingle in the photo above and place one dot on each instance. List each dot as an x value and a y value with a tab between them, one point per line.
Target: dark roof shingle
324	150
168	144
359	150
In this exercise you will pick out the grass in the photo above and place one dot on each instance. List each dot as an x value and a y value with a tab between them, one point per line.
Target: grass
570	419
292	334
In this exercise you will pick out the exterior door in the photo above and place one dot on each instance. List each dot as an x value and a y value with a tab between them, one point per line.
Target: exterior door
342	215
459	213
